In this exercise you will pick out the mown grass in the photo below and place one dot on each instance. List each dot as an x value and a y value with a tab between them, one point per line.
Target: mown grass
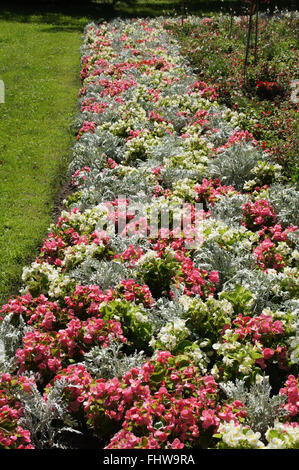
39	64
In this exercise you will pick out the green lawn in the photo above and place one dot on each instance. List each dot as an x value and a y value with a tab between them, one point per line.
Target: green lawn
39	65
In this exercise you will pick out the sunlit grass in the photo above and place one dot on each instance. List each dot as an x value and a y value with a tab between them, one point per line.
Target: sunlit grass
39	64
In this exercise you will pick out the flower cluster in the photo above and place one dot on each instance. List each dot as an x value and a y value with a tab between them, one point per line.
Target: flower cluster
162	405
12	435
258	214
267	90
49	352
159	253
215	47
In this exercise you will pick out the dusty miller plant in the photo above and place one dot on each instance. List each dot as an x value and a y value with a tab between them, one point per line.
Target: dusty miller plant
224	128
105	274
106	142
86	154
285	201
110	361
221	137
170	145
11	338
171	175
47	419
164	311
264	288
213	257
234	164
107	186
262	408
228	209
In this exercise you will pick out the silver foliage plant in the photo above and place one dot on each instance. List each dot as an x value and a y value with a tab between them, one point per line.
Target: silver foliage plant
41	416
105	274
262	408
102	186
213	257
165	311
234	164
110	362
229	209
86	154
264	287
11	338
285	200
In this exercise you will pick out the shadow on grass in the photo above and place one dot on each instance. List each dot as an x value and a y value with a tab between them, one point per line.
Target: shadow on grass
61	16
73	15
69	15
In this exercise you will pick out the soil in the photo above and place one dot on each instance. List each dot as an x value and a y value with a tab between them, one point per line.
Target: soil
64	191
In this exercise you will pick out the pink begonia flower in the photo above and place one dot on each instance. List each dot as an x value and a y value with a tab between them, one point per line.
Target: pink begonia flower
162	436
163	356
214	277
268	353
187	415
128	395
176	444
261	363
209	419
162	392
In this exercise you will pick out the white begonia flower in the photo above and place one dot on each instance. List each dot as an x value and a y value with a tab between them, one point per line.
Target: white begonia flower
247	244
267	311
276	443
204	343
186	302
235	435
288	436
141	317
244	369
147	257
249	184
228	362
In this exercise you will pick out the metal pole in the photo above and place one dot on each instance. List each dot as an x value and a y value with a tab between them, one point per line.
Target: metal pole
248	40
256	30
183	11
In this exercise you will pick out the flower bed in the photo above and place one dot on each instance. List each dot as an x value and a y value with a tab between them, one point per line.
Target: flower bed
161	312
216	48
